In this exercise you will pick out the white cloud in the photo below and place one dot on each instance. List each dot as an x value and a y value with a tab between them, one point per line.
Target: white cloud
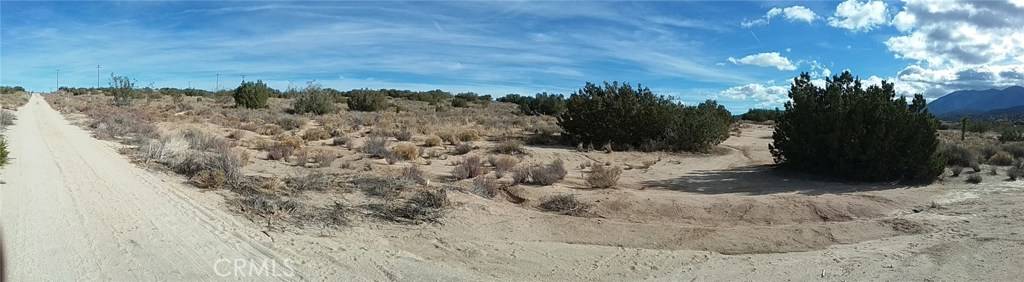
857	16
770	59
792	14
762	95
959	45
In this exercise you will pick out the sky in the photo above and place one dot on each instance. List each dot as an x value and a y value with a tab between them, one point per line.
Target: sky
742	54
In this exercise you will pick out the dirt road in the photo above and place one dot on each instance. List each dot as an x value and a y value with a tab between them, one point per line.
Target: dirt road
73	209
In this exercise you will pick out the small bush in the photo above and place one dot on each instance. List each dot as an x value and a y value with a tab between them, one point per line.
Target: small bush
974	178
510	147
486	187
314	134
289	122
540	174
280	151
3	152
376	146
382	186
1015	149
468	135
463	148
1011	135
432	141
601	176
269	130
566	204
314	100
1015	173
469	167
403	135
406	151
425	206
414	174
502	164
122	89
367	101
209	179
1001	159
324	158
252	94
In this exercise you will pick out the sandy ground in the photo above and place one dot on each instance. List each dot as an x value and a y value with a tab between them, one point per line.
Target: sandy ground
73	208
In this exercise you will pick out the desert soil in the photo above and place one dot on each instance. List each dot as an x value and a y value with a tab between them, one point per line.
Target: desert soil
72	208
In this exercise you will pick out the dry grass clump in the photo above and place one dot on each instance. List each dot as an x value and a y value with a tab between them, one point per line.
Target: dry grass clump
376	146
502	164
432	141
405	151
425	206
414	174
209	179
269	130
403	135
1016	172
509	147
540	174
341	140
601	176
1001	158
113	123
449	137
269	207
314	134
381	186
485	186
237	135
1015	149
289	122
7	118
469	167
566	204
280	151
324	158
314	181
334	215
468	135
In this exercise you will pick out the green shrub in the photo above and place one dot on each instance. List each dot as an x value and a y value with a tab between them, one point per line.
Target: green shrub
313	100
122	89
1001	159
540	104
252	94
1011	135
626	118
367	101
3	151
974	178
459	102
846	131
761	115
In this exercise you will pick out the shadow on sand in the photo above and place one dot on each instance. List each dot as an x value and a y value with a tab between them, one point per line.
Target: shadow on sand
763	180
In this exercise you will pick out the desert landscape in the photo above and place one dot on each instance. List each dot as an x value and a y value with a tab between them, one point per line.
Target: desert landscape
851	140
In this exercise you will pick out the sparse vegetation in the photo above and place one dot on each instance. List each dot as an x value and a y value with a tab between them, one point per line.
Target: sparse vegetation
538	174
367	101
974	178
762	115
847	131
565	204
469	167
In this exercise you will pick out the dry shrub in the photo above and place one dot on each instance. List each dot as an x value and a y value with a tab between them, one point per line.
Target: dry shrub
566	204
237	135
540	174
269	130
381	186
1016	172
280	151
376	146
469	167
192	162
289	122
432	141
269	207
314	181
468	135
414	174
510	147
485	186
334	215
425	206
1001	158
1015	149
324	158
403	135
449	137
956	170
203	141
603	176
502	164
314	134
406	151
208	179
463	148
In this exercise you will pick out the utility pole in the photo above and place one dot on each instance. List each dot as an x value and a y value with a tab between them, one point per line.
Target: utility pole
58	81
98	77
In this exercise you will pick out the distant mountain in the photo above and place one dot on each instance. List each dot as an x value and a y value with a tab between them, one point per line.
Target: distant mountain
1014	113
974	102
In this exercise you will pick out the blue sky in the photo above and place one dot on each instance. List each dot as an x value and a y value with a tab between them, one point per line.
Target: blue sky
740	53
